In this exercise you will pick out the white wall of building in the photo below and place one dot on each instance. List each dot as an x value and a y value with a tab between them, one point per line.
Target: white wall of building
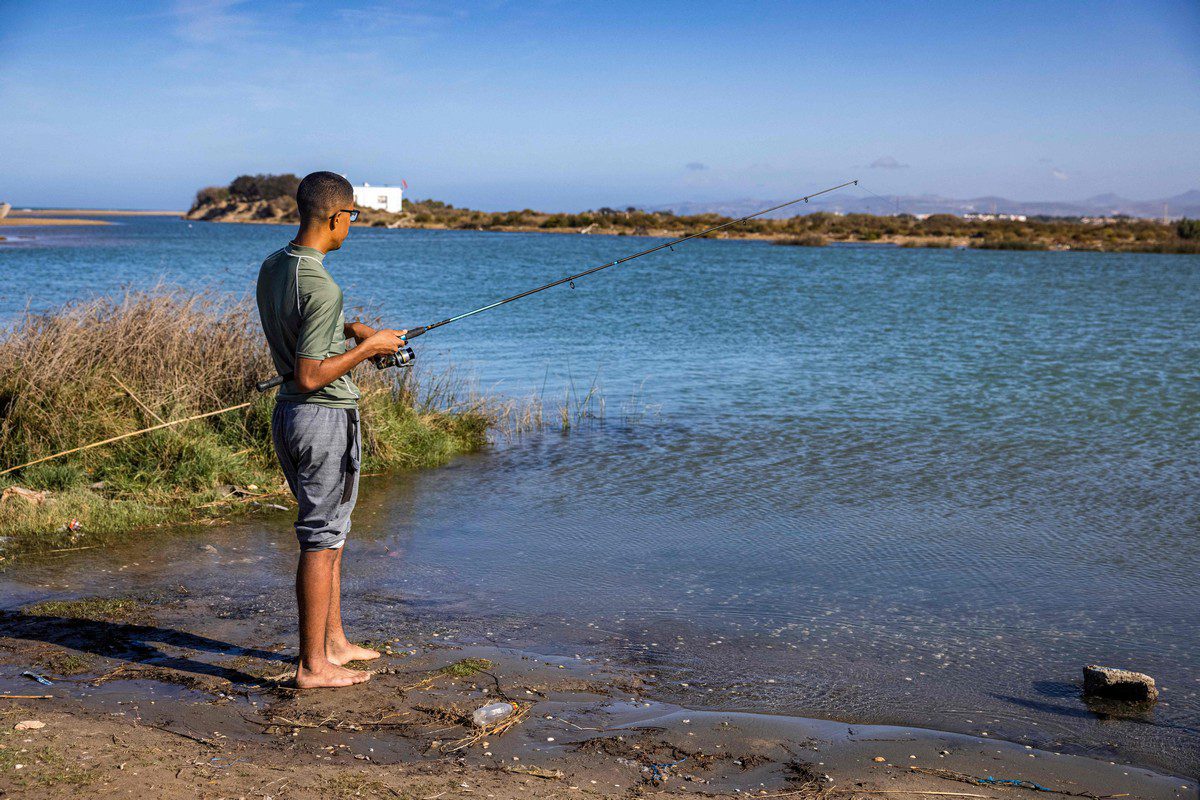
385	198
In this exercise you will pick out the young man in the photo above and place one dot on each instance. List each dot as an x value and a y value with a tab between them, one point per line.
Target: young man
315	424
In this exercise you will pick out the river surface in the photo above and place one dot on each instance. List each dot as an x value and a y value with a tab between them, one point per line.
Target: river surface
917	487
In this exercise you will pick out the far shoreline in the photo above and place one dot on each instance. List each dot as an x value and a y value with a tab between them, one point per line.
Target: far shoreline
901	242
92	212
65	217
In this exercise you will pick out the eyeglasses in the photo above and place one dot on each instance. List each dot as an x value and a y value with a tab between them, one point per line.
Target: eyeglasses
353	212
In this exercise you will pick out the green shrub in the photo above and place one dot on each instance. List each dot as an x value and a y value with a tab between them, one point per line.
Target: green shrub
211	195
1188	228
807	240
1008	244
249	188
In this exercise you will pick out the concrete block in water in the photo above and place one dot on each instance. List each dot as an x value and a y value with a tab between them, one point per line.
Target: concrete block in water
1118	684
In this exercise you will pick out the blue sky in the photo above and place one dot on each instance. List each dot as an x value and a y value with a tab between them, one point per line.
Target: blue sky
557	105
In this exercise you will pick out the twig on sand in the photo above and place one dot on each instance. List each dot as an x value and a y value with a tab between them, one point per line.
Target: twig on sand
915	791
582	728
245	498
990	781
332	723
499	729
26	697
71	549
536	772
193	737
112	674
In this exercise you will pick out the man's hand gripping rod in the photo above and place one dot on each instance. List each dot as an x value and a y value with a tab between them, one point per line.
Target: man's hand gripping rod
405	355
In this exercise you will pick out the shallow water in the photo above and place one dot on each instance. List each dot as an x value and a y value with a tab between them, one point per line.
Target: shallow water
917	487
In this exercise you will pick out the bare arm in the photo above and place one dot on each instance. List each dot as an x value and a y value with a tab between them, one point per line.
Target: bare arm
359	331
312	374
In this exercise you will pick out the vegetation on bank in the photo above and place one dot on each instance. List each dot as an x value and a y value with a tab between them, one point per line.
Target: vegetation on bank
270	198
94	370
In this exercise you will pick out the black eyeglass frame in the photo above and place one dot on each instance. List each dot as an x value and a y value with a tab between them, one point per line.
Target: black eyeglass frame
353	212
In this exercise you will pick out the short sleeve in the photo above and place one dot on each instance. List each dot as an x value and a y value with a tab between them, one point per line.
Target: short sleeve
320	317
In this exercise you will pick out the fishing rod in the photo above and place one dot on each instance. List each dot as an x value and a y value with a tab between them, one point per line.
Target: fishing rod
406	356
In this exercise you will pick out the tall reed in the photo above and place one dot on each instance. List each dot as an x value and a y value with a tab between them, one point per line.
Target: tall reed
101	368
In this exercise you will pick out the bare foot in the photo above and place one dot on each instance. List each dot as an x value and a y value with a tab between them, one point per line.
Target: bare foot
328	675
346	652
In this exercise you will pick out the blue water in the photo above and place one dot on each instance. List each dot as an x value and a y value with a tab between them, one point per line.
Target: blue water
914	486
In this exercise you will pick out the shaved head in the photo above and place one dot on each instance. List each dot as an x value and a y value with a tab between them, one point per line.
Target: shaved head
321	195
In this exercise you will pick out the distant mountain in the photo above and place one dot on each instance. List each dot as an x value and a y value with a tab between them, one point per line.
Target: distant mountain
1182	205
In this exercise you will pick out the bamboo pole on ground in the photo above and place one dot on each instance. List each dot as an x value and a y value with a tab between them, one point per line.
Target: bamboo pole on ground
123	436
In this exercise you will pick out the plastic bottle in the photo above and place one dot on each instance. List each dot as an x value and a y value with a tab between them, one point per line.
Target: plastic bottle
492	713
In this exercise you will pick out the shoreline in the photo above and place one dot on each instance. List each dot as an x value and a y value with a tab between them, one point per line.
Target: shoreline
208	703
92	212
957	242
31	222
47	217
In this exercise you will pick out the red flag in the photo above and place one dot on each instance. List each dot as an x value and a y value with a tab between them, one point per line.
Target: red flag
404	183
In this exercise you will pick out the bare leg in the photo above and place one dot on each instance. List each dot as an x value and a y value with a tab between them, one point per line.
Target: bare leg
338	648
314	578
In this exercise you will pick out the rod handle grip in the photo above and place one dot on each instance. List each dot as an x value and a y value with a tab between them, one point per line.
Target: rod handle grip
271	383
415	332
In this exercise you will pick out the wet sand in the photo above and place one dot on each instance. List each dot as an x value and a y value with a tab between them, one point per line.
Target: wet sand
183	696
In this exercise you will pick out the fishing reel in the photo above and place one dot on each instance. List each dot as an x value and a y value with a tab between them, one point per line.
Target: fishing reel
404	357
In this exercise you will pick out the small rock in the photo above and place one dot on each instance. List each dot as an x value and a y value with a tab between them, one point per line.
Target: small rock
879	759
1118	684
29	725
208	548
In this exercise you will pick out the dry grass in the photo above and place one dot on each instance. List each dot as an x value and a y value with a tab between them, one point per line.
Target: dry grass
98	369
102	368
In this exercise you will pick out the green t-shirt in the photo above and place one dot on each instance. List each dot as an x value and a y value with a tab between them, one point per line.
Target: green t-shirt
300	306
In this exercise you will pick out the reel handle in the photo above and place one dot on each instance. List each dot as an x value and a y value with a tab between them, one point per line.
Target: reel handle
401	358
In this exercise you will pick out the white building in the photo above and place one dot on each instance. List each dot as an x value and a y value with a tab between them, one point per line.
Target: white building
385	198
995	217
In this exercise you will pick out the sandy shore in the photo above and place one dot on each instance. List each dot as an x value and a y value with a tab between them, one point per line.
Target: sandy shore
73	216
12	221
91	212
147	702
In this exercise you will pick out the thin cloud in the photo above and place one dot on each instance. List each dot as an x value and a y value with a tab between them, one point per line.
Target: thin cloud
389	15
212	21
695	166
1060	175
887	162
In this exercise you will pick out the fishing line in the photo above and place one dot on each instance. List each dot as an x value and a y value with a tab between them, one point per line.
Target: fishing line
895	201
405	355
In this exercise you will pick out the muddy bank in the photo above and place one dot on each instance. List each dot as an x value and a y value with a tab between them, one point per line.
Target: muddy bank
172	695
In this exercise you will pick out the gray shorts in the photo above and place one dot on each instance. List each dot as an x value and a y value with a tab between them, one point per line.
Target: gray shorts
320	450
